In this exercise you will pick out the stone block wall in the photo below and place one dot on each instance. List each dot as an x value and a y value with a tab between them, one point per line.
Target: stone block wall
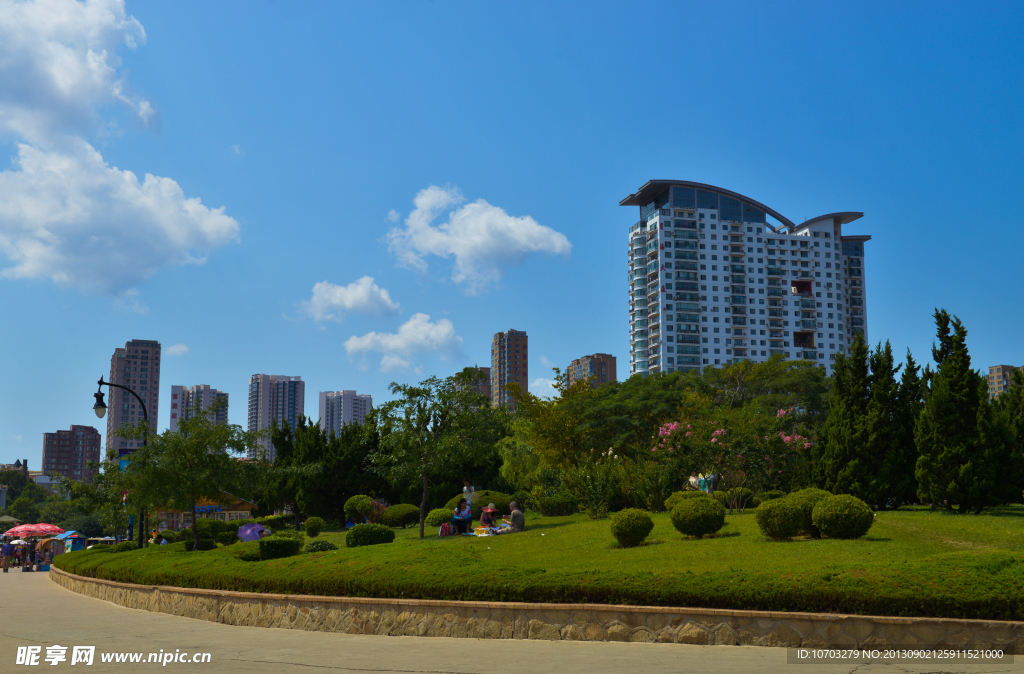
573	622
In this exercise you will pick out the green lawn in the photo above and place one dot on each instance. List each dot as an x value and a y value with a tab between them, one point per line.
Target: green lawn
912	562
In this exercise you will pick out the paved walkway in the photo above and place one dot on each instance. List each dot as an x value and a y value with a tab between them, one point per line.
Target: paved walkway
36	612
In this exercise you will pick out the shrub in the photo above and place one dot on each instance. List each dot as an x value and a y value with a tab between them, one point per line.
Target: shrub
248	551
227	537
843	516
358	507
742	498
806	499
184	534
99	547
204	544
482	498
209	528
313	526
169	536
368	534
291	533
275	547
698	517
779	519
438	516
275	522
126	546
631	526
771	495
522	499
320	546
672	501
557	505
401	515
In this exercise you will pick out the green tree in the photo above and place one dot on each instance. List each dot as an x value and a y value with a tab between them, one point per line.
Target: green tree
15	482
433	429
952	466
24	509
844	437
897	479
178	469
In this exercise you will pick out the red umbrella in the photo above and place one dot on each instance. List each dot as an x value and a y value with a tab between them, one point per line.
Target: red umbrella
41	529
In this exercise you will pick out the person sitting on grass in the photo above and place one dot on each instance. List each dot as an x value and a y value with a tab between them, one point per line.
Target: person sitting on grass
463	517
694	481
517	519
489	516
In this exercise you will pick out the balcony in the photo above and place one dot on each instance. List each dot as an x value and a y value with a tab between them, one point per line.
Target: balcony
686	276
775	271
739	320
739	352
683	234
775	333
808	325
737	279
775	312
775	344
735	249
738	269
774	323
775	292
688	339
806	304
686	286
738	299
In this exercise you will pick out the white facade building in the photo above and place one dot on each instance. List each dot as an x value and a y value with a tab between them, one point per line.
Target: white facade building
712	281
185	398
338	408
274	397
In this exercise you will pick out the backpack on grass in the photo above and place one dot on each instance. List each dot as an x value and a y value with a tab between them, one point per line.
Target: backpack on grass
446	530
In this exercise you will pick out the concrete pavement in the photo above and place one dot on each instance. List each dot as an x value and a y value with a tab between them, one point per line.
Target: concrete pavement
36	612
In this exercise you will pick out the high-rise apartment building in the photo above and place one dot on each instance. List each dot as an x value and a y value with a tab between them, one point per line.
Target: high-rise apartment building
185	398
599	366
278	398
1000	378
338	408
482	383
712	281
136	366
508	365
68	453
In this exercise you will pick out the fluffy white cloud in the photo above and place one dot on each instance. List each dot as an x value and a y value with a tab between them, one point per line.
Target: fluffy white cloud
71	218
416	336
329	301
543	388
65	214
176	350
482	238
58	64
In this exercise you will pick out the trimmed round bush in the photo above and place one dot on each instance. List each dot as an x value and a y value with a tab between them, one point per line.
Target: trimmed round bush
169	536
779	519
438	516
209	528
314	525
275	522
482	498
558	505
843	516
275	547
672	501
126	546
320	546
358	507
227	537
806	499
771	495
369	534
401	515
204	544
698	517
631	526
249	551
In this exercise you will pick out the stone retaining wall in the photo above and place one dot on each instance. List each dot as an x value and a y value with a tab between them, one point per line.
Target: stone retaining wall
575	622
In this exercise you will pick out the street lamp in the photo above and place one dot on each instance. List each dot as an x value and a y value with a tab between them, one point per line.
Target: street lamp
100	408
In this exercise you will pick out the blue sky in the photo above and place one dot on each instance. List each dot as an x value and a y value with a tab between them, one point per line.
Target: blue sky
315	126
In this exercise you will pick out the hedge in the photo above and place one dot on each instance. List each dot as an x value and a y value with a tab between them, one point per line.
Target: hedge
319	546
806	499
275	547
401	515
369	534
558	505
227	537
438	516
672	501
126	546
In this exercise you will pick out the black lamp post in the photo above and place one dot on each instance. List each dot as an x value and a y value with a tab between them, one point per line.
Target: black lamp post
100	408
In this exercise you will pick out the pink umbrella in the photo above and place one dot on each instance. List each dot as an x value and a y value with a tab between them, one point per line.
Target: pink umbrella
41	529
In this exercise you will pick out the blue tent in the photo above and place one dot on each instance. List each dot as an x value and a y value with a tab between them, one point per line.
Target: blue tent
72	540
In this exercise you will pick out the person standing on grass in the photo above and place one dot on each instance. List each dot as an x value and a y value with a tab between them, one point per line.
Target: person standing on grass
694	481
463	517
467	491
517	519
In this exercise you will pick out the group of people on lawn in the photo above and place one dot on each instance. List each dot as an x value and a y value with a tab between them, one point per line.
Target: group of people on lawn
462	518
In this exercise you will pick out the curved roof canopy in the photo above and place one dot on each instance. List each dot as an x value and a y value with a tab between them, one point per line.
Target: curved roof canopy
841	218
652	188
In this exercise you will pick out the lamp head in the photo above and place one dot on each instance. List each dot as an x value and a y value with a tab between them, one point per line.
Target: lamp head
100	408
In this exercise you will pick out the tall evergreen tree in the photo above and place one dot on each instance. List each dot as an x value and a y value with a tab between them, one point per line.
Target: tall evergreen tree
952	466
840	465
879	457
898	467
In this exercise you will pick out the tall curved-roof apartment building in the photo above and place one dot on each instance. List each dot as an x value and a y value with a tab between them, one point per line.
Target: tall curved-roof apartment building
712	281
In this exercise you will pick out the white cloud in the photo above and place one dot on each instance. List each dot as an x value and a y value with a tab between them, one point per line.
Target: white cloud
546	362
543	388
59	63
75	220
418	335
65	215
364	296
482	238
177	350
237	150
393	215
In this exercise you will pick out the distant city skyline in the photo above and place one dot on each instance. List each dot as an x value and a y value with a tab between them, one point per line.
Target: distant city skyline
362	216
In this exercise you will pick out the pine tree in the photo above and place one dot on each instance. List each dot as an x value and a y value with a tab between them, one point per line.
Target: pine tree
899	464
839	468
878	457
951	467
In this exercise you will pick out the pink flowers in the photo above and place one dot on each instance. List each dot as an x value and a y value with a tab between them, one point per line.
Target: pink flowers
714	439
780	414
688	432
807	445
668	429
